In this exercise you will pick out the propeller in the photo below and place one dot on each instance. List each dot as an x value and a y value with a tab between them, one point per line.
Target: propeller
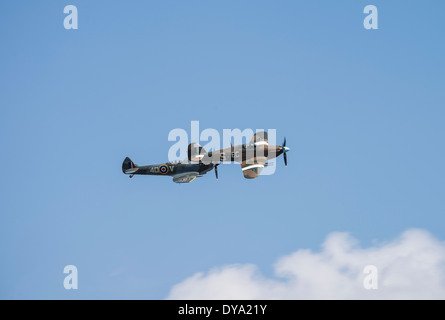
216	171
285	149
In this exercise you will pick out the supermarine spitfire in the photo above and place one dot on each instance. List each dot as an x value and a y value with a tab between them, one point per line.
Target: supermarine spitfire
252	158
181	172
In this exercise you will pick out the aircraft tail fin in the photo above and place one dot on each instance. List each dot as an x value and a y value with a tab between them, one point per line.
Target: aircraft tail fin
128	166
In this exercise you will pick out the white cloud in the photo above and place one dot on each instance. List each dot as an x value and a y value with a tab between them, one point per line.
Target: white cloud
410	267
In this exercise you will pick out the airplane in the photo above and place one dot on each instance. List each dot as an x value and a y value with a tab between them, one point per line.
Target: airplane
180	172
252	157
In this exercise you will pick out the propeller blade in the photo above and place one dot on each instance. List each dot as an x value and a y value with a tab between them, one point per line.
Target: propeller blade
216	172
284	143
285	159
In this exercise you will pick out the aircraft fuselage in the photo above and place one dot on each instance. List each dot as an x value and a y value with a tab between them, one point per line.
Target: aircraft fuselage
171	169
243	153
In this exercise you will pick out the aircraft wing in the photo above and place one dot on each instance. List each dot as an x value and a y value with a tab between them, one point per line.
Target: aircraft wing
259	138
253	170
185	177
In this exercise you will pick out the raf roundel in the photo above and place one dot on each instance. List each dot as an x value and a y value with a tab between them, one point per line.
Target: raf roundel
163	169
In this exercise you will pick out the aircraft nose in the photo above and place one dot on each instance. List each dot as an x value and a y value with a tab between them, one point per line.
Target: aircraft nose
286	149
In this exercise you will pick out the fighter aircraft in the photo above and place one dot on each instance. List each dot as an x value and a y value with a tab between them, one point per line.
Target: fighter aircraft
181	172
252	157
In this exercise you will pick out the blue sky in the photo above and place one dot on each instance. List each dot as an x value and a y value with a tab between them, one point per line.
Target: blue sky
362	111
